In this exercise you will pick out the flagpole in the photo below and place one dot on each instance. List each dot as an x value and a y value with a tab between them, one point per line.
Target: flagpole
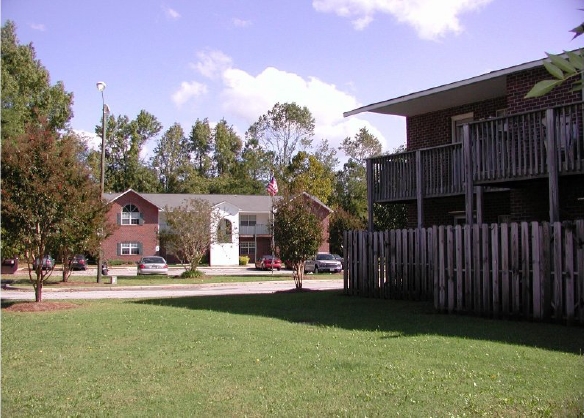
273	233
272	189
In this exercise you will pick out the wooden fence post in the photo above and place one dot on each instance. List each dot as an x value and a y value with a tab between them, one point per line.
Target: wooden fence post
557	271
537	271
580	258
569	271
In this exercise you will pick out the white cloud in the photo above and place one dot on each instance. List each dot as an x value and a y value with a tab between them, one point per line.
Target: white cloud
187	91
245	97
431	19
248	97
212	63
38	26
240	23
171	13
92	140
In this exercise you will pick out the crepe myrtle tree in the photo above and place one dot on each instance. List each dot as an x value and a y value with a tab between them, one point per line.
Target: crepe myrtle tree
50	202
189	231
298	234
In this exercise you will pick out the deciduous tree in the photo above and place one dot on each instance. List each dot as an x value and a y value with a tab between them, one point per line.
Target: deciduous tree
50	203
363	145
351	189
298	234
284	130
200	146
227	149
307	174
189	233
124	142
27	94
342	221
171	159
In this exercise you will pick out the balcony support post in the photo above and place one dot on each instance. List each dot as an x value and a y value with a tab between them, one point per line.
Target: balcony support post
369	176
552	163
468	175
419	189
479	204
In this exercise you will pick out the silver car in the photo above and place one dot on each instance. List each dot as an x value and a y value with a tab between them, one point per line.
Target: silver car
152	265
323	262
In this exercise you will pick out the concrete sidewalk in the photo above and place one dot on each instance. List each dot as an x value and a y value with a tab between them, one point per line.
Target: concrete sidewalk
165	291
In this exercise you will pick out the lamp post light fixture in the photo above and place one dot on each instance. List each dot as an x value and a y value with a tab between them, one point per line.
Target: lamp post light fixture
105	110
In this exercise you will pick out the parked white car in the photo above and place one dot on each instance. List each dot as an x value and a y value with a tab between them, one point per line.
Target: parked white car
323	262
152	265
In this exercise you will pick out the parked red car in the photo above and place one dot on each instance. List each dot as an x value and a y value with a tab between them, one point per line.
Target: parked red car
268	262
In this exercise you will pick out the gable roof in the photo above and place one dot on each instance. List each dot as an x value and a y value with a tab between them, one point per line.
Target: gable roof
318	202
475	89
245	203
110	197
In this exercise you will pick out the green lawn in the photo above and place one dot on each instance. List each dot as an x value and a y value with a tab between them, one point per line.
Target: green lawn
285	355
151	280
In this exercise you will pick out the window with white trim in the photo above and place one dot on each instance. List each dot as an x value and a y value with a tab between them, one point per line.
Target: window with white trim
247	220
131	215
457	122
130	248
246	248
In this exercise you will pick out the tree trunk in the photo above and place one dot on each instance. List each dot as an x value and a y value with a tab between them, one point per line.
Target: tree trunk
298	275
66	272
38	291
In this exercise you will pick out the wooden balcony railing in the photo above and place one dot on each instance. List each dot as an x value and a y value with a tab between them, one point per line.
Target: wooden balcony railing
506	149
515	147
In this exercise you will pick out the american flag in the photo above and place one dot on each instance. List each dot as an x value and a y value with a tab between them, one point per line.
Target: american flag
272	188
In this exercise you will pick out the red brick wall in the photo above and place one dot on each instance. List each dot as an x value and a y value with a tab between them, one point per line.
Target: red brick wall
518	84
435	128
524	203
146	234
531	201
438	211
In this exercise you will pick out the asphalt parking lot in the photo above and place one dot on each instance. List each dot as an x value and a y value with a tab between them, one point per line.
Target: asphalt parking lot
248	270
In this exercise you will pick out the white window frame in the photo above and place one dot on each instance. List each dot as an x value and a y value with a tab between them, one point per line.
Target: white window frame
457	121
129	248
247	220
247	248
130	216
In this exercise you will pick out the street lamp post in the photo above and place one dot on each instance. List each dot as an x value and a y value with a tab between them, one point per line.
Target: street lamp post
105	110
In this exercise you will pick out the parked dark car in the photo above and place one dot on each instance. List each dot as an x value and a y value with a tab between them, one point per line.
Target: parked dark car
47	263
323	262
268	262
78	262
152	265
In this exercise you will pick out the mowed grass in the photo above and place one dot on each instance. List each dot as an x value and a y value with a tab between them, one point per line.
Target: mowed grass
285	355
55	280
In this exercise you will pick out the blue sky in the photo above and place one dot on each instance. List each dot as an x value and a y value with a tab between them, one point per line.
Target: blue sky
181	60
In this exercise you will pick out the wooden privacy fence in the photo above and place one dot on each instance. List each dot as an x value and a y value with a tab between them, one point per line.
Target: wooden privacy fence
525	270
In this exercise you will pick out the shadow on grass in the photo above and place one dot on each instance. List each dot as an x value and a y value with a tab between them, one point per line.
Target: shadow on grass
390	317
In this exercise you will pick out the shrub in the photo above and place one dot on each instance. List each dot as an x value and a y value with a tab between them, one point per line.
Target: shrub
191	274
243	260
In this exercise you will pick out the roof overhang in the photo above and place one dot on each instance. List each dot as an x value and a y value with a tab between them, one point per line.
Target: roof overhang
475	89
